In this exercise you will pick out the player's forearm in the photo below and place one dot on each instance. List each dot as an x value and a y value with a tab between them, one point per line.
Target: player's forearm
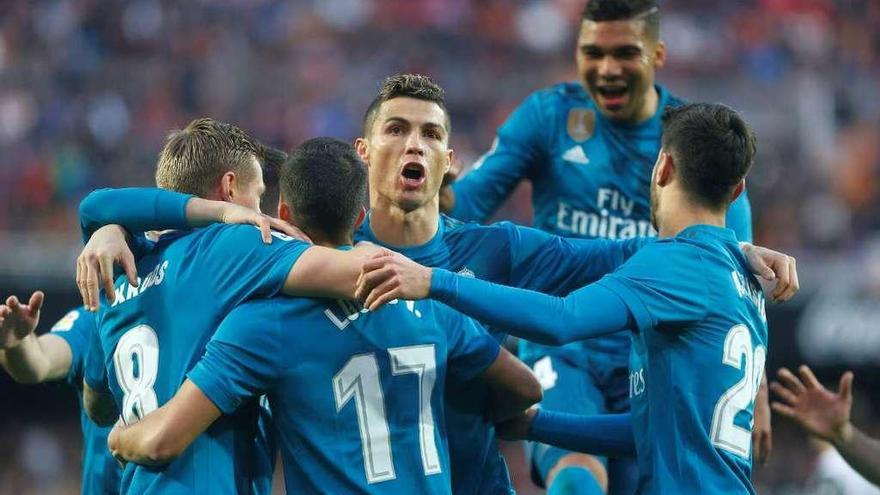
146	442
136	209
604	434
861	452
99	407
325	272
27	363
589	312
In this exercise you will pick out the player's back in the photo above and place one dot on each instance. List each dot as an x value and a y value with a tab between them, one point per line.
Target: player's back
693	385
357	396
154	333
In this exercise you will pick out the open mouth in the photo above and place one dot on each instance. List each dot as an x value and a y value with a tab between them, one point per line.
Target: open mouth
413	174
612	96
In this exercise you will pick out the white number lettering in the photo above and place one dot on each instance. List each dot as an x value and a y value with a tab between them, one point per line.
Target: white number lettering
136	360
359	378
725	433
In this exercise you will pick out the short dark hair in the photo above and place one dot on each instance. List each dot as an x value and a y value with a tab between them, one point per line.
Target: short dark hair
271	159
622	10
406	85
712	147
194	159
325	183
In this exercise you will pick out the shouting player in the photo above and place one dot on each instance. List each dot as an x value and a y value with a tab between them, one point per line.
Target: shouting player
697	313
588	148
357	397
406	147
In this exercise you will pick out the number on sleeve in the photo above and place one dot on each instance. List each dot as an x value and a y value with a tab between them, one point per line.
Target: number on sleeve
136	360
725	433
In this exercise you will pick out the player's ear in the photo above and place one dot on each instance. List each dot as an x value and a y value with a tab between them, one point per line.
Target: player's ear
360	219
361	146
665	169
659	54
450	159
284	212
738	190
227	186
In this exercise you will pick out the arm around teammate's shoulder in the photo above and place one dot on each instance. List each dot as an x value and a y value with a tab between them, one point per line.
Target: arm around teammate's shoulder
512	385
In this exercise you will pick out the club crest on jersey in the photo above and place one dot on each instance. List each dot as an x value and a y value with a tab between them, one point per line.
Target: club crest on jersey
581	123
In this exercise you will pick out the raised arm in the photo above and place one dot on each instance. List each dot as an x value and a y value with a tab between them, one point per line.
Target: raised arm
27	358
588	312
518	147
826	414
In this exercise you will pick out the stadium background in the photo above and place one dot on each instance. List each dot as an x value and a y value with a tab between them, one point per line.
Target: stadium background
89	89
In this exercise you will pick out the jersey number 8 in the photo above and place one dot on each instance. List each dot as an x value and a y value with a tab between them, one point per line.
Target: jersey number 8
136	360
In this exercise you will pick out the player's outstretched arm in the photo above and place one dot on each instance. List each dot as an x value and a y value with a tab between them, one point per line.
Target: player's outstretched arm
512	385
826	414
608	435
27	358
140	209
588	312
161	436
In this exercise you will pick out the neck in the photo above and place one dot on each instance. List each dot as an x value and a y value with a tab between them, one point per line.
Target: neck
683	213
330	241
396	227
652	100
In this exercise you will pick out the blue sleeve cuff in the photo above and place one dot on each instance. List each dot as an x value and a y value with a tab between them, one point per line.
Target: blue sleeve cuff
211	383
444	285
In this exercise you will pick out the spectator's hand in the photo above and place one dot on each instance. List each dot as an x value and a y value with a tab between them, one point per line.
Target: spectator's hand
237	214
447	197
823	413
17	320
762	432
772	265
94	266
388	276
516	428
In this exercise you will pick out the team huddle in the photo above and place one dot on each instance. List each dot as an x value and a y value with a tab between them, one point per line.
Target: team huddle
359	332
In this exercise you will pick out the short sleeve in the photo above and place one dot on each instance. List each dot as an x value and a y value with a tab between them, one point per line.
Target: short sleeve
95	373
241	266
664	286
471	349
76	328
242	360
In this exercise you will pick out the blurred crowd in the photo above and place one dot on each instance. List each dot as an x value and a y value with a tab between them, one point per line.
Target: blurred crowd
89	89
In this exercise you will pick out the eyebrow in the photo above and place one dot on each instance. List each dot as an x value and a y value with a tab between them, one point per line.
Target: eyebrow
402	120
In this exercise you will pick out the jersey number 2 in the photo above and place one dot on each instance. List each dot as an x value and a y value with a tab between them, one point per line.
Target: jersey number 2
725	433
136	360
359	380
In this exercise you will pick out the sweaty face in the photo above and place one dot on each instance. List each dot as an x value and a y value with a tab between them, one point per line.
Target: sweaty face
249	191
616	62
408	152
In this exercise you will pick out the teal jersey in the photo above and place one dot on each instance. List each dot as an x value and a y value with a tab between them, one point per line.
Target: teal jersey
153	334
590	178
357	396
699	350
513	255
100	471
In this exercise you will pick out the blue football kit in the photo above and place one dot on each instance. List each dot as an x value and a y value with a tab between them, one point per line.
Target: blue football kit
508	254
590	178
356	396
699	347
100	471
153	334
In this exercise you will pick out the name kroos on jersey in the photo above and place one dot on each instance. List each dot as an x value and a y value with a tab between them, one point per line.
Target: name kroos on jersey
126	291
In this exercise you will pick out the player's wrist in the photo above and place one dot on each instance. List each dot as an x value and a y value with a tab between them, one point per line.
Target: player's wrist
843	435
